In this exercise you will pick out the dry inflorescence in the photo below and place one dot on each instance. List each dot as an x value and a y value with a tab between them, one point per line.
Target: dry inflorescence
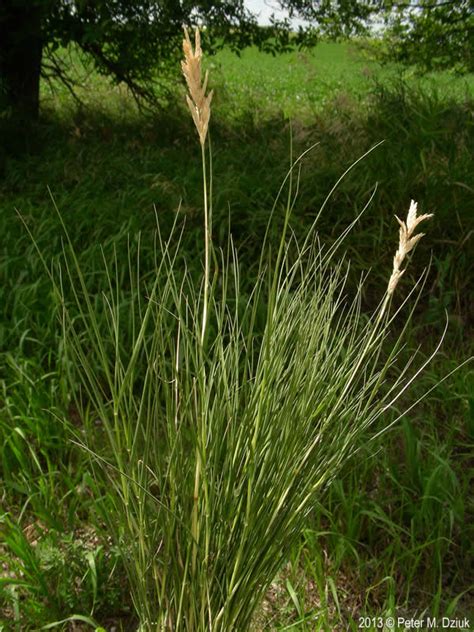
406	243
199	103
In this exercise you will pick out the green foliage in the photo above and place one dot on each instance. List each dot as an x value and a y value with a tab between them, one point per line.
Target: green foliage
58	574
135	43
219	435
430	34
107	165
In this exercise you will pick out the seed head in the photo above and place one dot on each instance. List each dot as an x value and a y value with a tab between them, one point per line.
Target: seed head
407	241
198	102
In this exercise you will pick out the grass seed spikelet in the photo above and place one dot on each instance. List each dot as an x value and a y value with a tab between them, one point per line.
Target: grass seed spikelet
407	241
198	102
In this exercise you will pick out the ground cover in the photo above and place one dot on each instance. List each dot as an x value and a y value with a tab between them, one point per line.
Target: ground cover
392	535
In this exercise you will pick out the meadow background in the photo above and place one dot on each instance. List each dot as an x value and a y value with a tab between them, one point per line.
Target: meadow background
394	534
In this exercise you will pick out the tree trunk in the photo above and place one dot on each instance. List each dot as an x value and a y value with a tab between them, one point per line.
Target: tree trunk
21	48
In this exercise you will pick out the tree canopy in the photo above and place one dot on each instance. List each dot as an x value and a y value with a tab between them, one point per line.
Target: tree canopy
138	41
430	34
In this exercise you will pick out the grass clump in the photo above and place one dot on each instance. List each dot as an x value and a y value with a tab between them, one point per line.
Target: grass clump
218	415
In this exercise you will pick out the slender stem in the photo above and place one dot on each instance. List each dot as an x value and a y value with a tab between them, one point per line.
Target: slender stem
207	239
201	440
384	306
195	523
195	516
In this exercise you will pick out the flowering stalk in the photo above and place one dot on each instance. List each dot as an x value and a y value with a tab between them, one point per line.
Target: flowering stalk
200	107
199	104
407	241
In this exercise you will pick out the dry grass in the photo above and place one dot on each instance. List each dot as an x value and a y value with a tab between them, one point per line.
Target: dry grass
199	103
407	242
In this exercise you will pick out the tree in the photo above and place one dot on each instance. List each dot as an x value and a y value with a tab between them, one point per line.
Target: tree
133	41
20	55
430	34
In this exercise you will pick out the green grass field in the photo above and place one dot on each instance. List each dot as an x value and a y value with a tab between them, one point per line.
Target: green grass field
393	535
300	84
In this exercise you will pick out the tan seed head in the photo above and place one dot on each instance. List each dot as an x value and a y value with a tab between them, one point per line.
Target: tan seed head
198	102
407	241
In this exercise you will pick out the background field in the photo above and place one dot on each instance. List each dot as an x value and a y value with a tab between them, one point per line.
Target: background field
394	535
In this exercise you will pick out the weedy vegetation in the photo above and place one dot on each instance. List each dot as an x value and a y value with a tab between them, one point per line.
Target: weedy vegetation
202	444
